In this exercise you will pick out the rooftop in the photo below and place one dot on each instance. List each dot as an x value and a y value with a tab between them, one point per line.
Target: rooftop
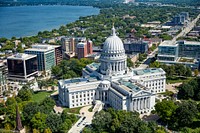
78	80
167	43
130	85
189	42
41	47
147	71
186	60
21	56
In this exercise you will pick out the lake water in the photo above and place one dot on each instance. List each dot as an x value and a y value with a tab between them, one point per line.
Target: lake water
29	20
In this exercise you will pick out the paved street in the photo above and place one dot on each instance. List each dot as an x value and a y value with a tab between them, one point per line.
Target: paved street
147	61
187	29
86	119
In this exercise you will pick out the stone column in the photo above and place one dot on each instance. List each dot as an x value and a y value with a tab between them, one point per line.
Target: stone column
141	103
138	106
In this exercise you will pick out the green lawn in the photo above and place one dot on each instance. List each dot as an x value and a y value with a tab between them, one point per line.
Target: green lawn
172	80
73	110
40	95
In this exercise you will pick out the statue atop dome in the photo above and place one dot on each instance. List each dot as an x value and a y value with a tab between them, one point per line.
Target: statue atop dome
113	30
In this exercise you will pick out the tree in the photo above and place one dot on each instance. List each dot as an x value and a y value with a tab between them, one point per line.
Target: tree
65	116
47	105
155	64
2	109
180	69
56	70
25	94
165	109
36	131
47	130
102	121
10	101
129	62
186	113
188	72
30	110
53	121
196	72
39	121
185	91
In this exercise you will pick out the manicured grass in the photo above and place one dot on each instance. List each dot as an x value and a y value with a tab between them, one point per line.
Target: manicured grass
90	109
172	80
40	95
73	110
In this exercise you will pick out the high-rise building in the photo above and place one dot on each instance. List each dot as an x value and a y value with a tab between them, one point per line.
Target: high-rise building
3	78
81	50
68	44
84	49
89	47
22	67
58	53
45	56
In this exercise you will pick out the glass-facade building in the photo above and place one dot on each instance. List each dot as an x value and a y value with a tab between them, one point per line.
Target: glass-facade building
170	53
45	56
189	49
22	66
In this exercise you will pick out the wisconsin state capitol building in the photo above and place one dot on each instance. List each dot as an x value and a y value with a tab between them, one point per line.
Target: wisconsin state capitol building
113	83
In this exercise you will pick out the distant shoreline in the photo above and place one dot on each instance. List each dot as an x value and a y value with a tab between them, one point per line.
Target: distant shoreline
50	27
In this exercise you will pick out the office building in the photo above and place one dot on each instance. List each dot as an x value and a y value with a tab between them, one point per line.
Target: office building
180	52
135	46
22	67
113	83
45	56
3	78
58	53
81	50
179	19
84	49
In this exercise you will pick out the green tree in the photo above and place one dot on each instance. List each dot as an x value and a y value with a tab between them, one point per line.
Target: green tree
165	109
47	105
102	121
25	94
47	130
53	121
186	113
10	101
39	121
30	110
188	72
129	62
185	91
196	72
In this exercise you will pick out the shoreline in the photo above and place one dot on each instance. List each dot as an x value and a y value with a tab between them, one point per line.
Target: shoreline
50	28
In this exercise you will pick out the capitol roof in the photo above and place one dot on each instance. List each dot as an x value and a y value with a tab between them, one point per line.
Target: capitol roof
113	44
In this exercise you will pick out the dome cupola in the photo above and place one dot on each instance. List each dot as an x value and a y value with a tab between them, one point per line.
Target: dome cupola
113	57
113	44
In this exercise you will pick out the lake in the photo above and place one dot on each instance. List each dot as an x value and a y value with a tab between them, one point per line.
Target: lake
22	21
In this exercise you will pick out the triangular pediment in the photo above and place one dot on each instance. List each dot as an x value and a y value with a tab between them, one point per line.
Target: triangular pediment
142	93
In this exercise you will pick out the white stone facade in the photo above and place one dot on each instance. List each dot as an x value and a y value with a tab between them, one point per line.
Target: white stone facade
152	78
112	83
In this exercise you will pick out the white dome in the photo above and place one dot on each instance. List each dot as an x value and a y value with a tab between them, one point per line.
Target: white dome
113	44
